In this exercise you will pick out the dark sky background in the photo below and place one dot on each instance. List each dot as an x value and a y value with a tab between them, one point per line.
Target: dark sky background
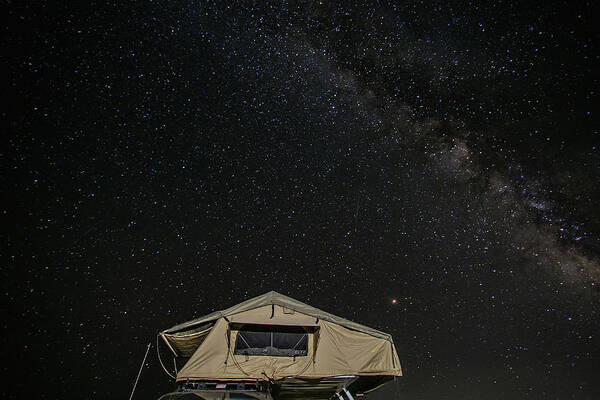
165	159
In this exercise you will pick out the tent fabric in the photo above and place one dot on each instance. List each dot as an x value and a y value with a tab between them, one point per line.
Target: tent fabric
335	346
185	344
257	316
274	298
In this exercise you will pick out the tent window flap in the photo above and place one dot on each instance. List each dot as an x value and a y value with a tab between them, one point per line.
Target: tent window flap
271	340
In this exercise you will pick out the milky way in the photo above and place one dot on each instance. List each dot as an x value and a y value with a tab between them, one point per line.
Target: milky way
430	170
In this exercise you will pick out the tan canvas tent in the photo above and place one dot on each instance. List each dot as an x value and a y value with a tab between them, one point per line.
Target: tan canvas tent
283	341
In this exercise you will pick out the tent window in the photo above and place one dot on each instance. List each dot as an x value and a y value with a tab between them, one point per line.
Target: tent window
271	340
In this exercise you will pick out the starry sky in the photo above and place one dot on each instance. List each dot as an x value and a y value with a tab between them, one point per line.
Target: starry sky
430	169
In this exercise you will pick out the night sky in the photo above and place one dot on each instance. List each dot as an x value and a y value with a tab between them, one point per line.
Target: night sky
164	159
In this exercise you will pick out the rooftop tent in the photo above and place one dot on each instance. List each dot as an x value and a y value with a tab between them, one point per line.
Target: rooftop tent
286	342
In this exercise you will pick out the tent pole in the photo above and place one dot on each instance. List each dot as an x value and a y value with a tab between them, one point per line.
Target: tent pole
140	371
160	359
162	335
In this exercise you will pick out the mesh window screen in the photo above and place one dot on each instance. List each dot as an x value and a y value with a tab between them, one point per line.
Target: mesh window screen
271	340
293	341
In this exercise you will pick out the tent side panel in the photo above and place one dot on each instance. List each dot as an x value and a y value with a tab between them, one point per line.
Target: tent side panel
344	351
210	356
215	360
340	351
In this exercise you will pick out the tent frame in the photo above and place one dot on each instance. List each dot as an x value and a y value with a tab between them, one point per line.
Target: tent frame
337	386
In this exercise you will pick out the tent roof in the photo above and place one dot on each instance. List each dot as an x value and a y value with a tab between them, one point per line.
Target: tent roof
277	299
